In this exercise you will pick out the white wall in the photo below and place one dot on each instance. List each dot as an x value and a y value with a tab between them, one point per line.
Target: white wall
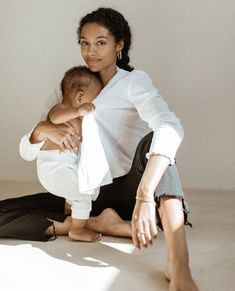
186	46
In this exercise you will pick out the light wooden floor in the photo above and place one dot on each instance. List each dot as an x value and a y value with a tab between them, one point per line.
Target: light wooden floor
113	264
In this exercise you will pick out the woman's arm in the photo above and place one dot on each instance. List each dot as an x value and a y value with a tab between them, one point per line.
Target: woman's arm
144	215
168	134
62	134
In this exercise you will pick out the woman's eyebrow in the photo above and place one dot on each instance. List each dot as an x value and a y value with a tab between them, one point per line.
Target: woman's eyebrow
102	36
98	37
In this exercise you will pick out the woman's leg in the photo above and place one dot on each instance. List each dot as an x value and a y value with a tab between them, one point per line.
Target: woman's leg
177	271
43	201
120	196
28	217
107	223
171	215
42	216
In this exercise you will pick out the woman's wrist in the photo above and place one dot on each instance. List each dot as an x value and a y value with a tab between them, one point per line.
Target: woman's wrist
145	199
145	193
152	175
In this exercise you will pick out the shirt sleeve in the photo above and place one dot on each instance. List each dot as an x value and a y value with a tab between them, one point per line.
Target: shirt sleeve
168	131
29	151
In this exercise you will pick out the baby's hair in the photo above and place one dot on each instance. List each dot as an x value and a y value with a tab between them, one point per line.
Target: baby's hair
77	79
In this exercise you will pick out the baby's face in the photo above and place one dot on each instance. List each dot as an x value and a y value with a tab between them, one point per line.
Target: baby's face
92	91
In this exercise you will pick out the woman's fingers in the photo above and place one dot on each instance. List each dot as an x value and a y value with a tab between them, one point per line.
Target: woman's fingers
144	229
153	231
141	233
147	232
70	138
65	136
73	142
68	145
150	229
76	137
145	237
62	147
134	231
70	130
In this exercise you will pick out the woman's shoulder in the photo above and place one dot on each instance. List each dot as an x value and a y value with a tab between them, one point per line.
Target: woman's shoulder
137	74
138	78
133	73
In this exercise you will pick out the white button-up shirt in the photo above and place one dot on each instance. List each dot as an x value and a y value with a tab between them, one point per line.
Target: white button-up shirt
127	109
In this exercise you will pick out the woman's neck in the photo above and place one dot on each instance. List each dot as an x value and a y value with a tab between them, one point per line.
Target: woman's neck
107	74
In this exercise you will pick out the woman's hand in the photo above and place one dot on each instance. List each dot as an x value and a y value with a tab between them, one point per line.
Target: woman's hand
65	136
144	229
143	224
62	134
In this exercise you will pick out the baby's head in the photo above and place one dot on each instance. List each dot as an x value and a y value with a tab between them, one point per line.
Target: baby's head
80	85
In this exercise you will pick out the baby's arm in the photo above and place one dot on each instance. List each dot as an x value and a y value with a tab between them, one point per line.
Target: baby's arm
61	113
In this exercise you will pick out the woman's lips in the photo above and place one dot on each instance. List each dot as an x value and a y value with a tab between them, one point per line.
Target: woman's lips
93	61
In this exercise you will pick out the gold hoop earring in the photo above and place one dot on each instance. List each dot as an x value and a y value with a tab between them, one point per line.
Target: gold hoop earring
119	55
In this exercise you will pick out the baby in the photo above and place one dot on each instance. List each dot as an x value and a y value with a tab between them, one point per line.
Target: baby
58	171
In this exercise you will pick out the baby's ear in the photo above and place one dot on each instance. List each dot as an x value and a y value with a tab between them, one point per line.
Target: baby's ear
78	97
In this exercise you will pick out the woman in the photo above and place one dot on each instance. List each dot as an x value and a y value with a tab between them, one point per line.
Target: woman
127	109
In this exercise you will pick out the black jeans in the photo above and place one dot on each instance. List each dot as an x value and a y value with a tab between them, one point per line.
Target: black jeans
26	217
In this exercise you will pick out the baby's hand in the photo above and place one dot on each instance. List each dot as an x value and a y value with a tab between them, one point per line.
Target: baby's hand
85	108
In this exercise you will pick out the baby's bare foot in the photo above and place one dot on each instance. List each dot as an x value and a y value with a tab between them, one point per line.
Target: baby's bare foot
84	234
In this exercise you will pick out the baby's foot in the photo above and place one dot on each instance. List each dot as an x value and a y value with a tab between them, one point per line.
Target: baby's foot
84	234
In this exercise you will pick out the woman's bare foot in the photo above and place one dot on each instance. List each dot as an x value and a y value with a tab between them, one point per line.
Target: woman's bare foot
180	279
109	223
84	234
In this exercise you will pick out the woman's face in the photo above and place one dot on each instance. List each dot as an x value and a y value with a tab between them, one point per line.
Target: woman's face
98	47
